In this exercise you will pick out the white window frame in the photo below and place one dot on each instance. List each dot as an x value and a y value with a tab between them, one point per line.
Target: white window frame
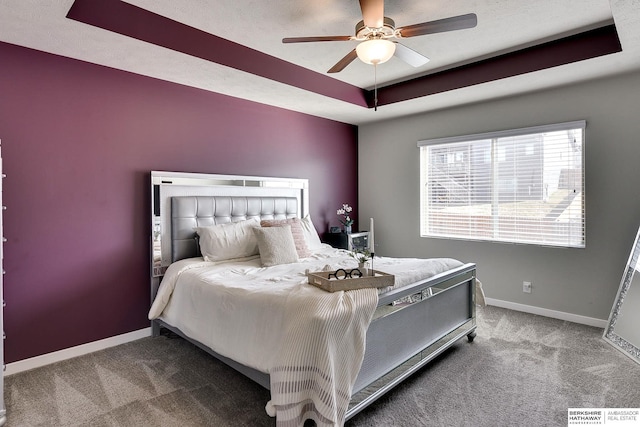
575	233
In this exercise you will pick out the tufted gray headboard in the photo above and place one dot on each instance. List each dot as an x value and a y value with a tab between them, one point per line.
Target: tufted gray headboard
215	199
188	212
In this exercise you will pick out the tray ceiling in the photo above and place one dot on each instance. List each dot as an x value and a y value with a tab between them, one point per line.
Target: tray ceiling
238	49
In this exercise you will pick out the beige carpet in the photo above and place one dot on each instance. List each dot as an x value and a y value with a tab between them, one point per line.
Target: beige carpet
522	370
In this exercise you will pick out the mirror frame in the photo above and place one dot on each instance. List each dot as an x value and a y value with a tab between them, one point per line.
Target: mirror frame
610	334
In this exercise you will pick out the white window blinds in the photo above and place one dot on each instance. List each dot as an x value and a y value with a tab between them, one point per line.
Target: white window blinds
521	186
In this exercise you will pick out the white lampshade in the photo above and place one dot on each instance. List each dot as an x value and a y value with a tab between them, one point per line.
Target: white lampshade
375	51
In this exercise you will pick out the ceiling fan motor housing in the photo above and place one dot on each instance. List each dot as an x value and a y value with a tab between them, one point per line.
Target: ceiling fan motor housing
387	30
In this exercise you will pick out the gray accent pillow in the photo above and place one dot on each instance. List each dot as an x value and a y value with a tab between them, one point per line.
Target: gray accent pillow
276	245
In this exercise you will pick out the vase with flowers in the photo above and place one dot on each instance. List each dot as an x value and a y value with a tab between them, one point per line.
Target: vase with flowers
346	220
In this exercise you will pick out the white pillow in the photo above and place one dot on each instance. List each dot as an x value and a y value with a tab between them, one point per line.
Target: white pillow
228	241
296	231
310	234
276	245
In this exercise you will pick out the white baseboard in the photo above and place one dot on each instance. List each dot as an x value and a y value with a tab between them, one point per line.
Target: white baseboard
575	318
68	353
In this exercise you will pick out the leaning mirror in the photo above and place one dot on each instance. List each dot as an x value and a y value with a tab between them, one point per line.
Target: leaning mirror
623	328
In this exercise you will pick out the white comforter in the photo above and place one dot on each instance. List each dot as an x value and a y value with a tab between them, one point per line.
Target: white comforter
272	320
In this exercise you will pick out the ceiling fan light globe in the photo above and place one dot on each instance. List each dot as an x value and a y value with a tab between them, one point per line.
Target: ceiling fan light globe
375	51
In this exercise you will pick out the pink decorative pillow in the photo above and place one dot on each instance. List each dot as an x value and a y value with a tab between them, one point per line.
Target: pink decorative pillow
296	231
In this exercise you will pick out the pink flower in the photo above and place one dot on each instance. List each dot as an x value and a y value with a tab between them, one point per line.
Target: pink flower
347	221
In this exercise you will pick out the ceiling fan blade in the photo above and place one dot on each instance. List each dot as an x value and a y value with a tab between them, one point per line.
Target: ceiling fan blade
372	13
461	22
316	39
344	62
410	56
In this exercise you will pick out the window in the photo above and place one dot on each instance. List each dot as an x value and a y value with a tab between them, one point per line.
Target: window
520	186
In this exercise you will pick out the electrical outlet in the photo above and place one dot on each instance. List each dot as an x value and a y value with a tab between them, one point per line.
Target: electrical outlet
526	287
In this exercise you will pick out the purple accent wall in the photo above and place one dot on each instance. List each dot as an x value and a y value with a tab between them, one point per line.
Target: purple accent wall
78	142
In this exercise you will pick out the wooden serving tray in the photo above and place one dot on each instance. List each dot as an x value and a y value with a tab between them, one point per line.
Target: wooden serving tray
322	281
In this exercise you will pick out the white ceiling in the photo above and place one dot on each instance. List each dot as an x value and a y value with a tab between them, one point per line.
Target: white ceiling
503	25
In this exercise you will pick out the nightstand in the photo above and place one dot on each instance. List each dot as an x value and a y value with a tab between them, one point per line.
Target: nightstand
351	241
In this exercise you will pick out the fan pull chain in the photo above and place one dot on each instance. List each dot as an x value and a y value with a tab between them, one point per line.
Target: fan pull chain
375	86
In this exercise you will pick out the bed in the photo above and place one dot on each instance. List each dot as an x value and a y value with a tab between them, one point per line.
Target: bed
324	355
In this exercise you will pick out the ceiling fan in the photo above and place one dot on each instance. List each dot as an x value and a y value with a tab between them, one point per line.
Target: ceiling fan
376	31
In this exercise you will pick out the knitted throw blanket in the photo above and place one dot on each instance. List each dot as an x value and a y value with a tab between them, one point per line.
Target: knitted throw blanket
322	351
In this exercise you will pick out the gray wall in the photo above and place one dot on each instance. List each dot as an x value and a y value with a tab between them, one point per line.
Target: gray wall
576	281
